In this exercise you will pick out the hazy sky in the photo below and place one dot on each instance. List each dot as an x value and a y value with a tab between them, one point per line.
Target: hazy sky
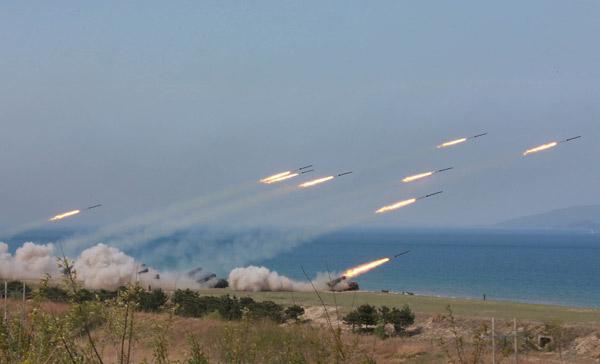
140	105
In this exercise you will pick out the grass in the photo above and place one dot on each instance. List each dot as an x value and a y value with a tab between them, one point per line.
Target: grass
426	305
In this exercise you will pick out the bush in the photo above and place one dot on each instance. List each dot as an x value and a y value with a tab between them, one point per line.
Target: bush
266	310
151	301
294	312
229	308
189	303
400	318
104	295
55	294
186	302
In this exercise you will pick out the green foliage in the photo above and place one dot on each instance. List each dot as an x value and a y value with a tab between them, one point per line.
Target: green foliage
363	317
55	294
266	310
151	301
230	308
366	316
400	318
15	289
294	312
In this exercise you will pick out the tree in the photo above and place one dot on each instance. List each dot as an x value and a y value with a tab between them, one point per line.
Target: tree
352	319
364	316
400	318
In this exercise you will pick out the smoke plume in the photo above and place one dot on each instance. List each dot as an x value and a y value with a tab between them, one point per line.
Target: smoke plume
100	266
257	279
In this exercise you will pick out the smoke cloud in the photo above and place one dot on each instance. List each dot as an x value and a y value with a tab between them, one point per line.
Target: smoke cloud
31	261
100	266
257	279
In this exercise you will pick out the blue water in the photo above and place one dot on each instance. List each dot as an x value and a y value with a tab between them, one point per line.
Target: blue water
542	267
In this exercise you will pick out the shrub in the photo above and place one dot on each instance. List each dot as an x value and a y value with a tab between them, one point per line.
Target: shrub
56	294
229	308
186	303
400	318
266	310
104	295
294	312
151	301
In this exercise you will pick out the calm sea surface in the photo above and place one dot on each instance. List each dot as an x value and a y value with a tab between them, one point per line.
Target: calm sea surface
542	267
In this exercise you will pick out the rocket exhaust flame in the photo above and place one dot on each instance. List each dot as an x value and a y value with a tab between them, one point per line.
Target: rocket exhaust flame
417	176
282	178
286	175
64	215
315	182
548	146
401	204
363	268
274	177
452	142
540	148
424	174
458	141
396	206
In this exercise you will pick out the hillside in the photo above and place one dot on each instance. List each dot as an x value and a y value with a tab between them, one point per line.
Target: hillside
578	217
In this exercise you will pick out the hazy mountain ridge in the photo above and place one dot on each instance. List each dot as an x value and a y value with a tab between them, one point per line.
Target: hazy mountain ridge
577	217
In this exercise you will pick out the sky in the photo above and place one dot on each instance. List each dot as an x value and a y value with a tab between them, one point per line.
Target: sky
142	105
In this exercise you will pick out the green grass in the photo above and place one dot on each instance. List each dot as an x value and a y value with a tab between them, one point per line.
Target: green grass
432	305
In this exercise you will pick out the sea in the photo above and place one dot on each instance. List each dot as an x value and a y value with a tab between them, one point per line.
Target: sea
550	267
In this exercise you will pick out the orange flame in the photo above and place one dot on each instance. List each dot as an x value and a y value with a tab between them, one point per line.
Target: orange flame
416	177
315	182
540	148
64	215
396	206
279	177
363	268
452	142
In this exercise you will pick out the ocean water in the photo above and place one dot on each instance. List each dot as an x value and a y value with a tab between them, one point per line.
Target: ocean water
541	267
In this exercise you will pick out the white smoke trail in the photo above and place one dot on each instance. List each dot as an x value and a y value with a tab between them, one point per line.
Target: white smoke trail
158	224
